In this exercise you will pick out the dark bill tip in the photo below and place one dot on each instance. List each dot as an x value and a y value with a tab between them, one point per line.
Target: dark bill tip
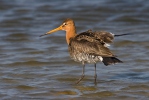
42	35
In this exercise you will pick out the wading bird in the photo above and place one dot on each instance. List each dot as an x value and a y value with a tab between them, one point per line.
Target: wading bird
88	47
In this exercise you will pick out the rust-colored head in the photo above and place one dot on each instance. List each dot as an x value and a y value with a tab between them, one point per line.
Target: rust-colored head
68	26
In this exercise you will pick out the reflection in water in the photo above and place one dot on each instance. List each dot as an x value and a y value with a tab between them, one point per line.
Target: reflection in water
35	68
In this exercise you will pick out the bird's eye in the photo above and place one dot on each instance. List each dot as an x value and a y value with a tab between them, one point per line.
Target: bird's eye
64	24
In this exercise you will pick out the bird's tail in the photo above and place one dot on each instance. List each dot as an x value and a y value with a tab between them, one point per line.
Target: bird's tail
110	60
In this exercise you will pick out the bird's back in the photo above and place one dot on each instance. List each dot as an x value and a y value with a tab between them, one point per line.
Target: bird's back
90	46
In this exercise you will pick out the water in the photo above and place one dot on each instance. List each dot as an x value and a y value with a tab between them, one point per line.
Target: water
40	68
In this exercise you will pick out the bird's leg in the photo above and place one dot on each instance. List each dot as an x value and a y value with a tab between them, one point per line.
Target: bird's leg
95	76
82	76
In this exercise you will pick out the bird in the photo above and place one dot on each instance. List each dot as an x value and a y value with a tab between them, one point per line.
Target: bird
88	47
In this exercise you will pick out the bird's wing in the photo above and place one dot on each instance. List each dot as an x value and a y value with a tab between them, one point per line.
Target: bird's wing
107	37
88	44
102	36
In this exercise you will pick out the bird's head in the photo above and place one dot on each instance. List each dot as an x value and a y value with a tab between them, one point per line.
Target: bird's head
66	26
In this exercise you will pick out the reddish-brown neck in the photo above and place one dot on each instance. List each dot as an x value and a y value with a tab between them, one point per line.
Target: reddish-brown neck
70	33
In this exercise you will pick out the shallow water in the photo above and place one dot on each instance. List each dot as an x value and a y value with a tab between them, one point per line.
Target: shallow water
40	68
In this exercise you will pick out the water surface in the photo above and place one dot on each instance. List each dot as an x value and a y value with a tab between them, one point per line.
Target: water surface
40	68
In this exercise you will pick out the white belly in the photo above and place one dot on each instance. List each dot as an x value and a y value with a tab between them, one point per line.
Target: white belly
89	58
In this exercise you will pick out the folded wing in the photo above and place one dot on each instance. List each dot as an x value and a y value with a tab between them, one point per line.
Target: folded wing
92	43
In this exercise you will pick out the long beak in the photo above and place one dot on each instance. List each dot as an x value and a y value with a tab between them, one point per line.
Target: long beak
52	31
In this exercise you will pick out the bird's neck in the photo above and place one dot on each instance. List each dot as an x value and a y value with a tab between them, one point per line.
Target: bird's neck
71	33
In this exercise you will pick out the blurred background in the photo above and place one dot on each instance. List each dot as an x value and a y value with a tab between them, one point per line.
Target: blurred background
37	68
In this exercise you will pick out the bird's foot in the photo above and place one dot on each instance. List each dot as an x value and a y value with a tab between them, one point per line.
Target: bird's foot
95	80
80	79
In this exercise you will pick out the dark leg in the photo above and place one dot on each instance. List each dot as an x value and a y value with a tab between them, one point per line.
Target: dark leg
95	76
82	76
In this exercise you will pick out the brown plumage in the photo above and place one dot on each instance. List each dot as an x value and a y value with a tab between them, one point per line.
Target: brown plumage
87	47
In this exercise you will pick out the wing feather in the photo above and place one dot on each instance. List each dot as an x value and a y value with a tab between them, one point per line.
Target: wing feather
87	43
101	36
107	37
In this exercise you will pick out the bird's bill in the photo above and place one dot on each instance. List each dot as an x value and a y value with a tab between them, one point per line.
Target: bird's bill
52	31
